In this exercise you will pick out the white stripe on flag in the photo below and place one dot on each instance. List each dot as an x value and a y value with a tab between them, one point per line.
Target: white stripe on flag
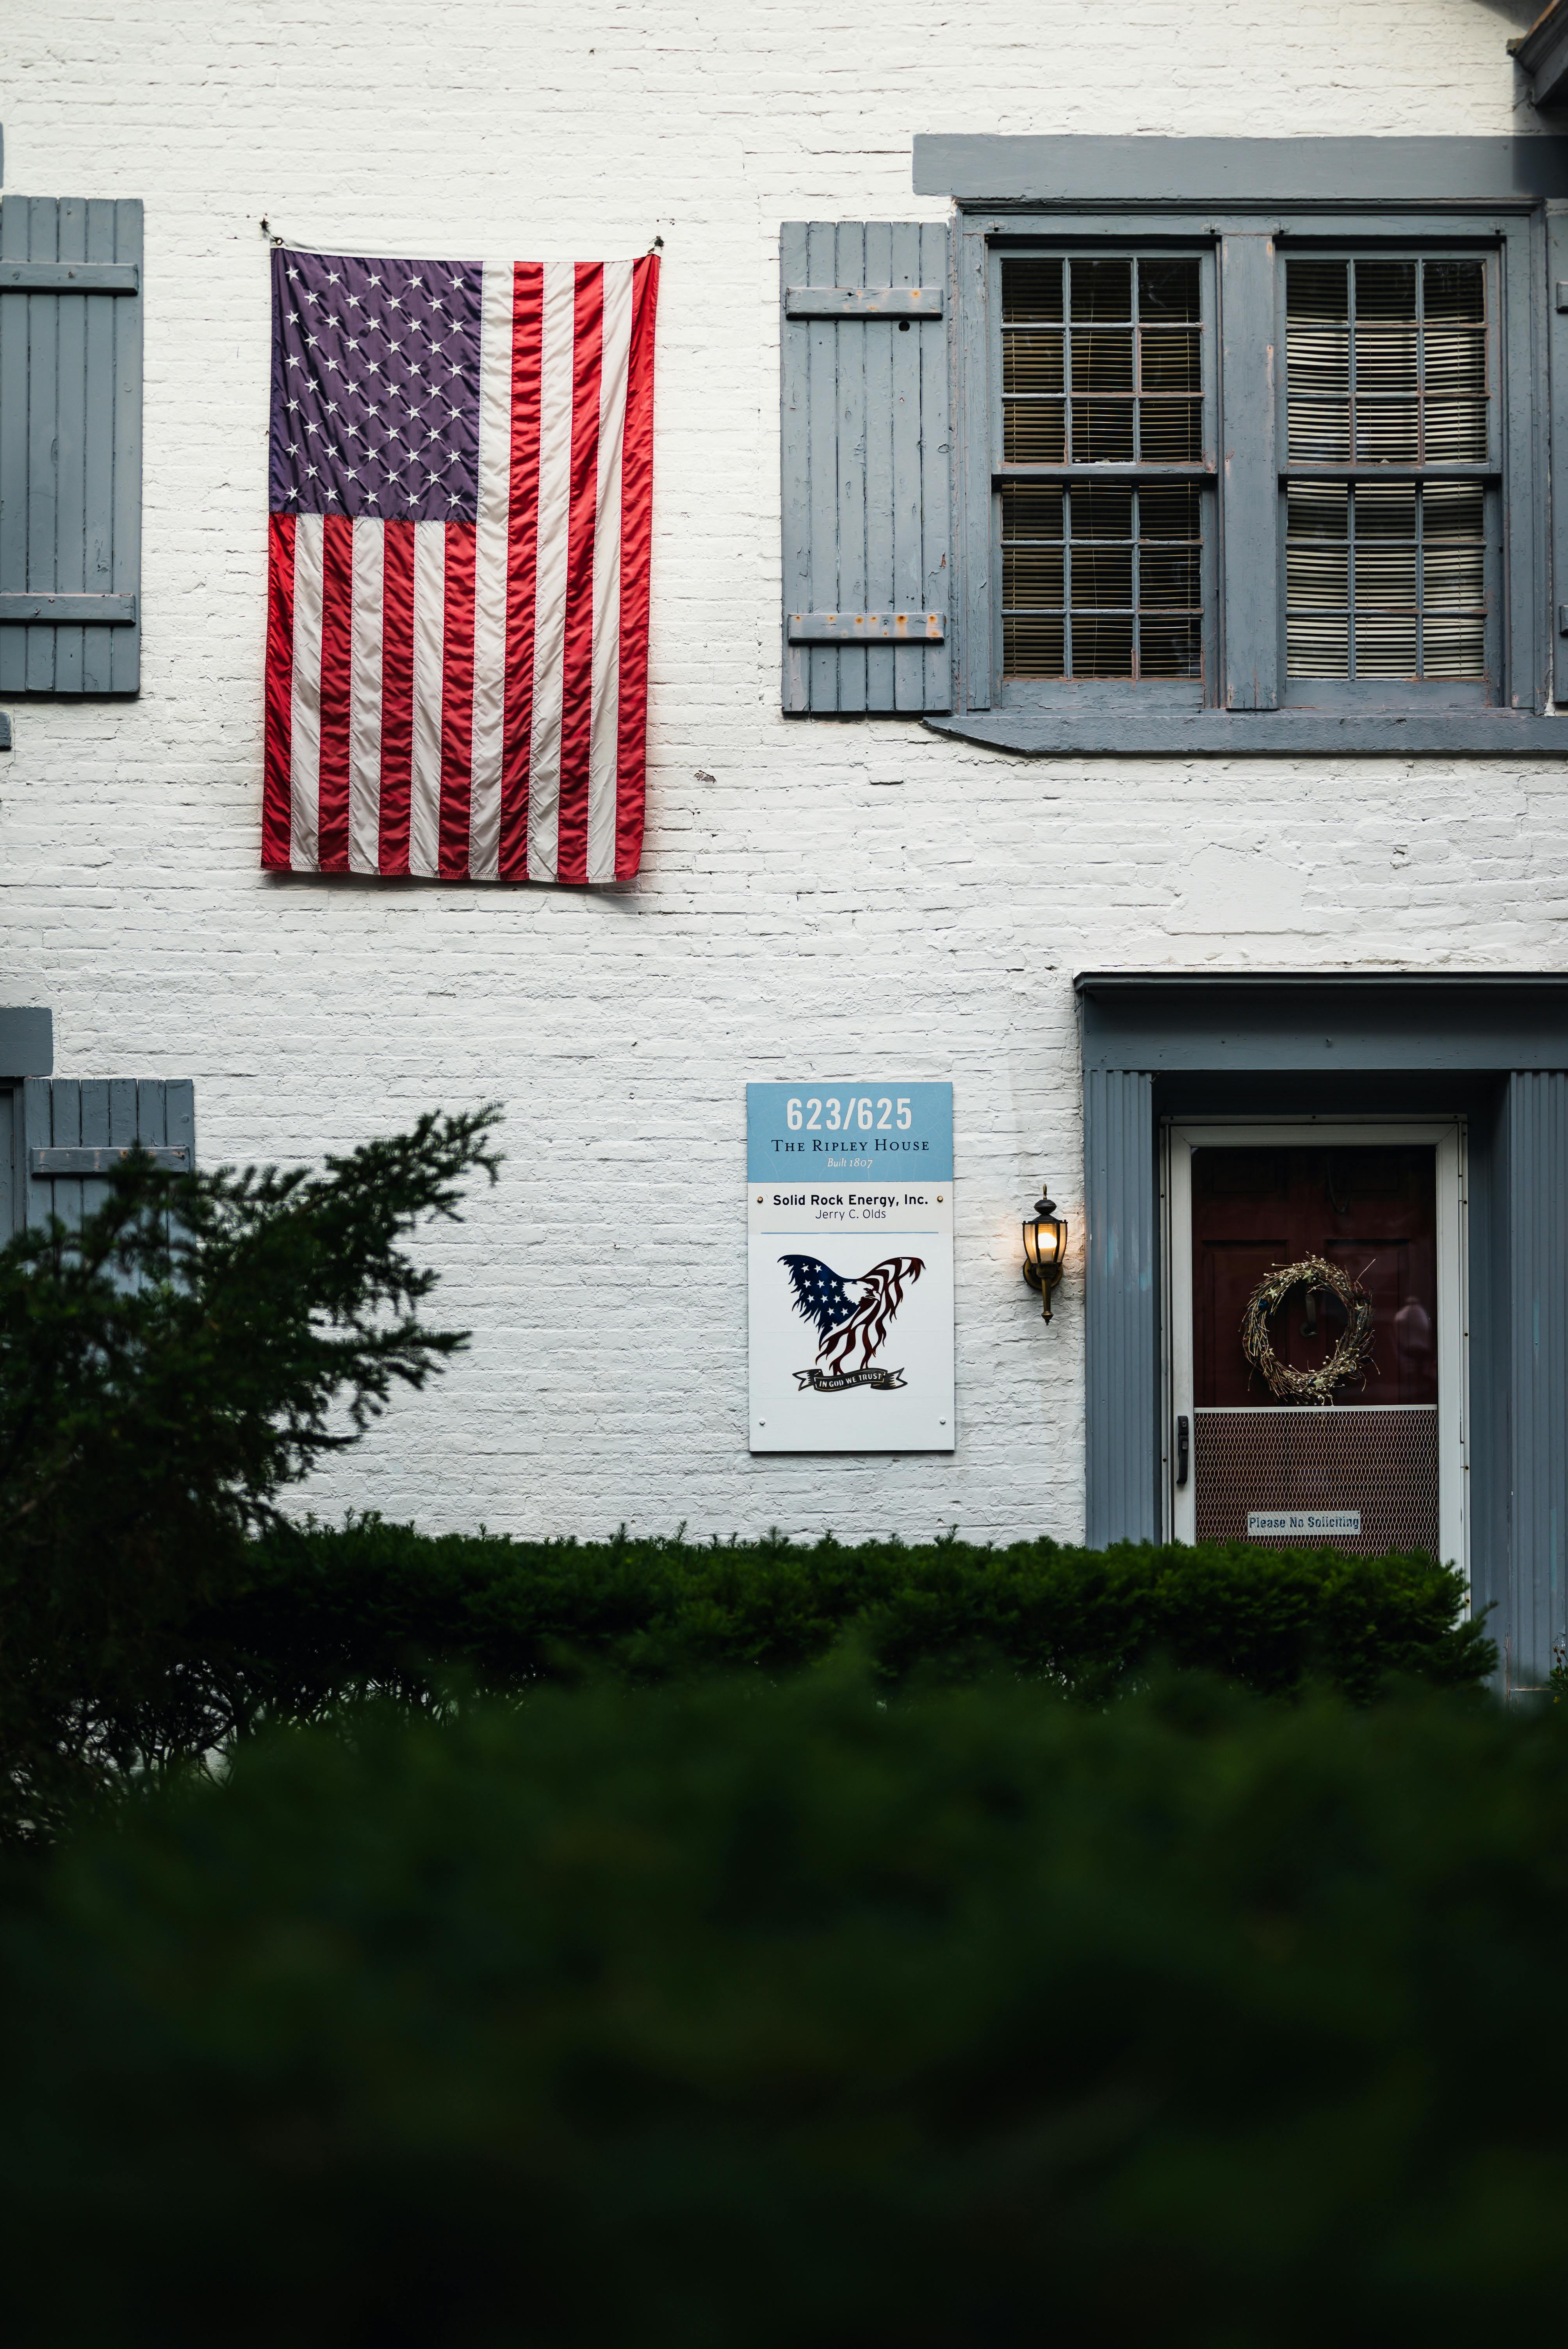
429	661
365	700
604	718
305	717
490	556
556	363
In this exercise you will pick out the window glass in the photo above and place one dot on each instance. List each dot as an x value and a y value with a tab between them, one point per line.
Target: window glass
1102	579
1102	366
1386	368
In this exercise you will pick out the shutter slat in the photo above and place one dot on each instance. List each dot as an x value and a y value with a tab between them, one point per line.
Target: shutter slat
70	454
881	362
823	338
14	310
908	674
851	356
69	571
43	422
863	373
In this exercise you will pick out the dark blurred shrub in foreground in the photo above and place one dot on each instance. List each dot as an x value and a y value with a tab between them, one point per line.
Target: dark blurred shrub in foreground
330	1613
735	2015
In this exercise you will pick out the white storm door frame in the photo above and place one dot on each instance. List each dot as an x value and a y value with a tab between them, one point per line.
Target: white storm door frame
1182	1137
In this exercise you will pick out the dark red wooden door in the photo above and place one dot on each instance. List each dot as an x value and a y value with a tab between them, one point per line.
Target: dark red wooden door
1372	1210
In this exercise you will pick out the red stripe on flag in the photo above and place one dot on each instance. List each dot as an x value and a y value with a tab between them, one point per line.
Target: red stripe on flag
458	703
397	693
637	563
577	705
522	564
276	802
337	695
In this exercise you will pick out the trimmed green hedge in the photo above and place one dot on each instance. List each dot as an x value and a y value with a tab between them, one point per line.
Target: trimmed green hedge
765	2015
334	1611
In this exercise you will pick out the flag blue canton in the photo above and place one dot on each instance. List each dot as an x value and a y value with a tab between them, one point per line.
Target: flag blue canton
820	1295
376	388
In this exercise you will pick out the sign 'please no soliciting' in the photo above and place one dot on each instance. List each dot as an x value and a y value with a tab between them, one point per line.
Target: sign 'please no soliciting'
850	1216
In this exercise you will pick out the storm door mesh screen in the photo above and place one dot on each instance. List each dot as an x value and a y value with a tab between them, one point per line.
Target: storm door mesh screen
1381	1459
1102	374
1387	374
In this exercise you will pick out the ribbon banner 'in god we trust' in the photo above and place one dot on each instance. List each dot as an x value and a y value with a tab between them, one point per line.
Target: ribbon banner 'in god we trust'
849	1216
461	506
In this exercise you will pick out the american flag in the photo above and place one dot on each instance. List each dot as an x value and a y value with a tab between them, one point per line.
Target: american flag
850	1312
460	501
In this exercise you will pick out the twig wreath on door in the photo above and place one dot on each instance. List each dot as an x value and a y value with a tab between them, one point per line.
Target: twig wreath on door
1349	1357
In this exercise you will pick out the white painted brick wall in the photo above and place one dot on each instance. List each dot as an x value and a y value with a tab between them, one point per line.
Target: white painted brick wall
863	900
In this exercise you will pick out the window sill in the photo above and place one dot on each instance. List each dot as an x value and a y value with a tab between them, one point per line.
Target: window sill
1263	733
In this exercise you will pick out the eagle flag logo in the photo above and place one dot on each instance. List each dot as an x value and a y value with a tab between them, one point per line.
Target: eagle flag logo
850	1316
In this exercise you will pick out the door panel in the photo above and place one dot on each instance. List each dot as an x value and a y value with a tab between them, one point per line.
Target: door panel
1372	1211
1370	1470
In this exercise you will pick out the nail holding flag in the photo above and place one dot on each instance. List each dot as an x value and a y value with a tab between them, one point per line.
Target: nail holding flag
460	525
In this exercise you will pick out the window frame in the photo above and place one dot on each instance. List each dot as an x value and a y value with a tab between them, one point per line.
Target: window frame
1246	704
1104	694
1492	473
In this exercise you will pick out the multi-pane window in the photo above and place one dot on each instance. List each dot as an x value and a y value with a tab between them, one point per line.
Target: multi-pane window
1102	375
1388	435
1101	579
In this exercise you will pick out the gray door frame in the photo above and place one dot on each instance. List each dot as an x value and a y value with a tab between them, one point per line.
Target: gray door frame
1490	1047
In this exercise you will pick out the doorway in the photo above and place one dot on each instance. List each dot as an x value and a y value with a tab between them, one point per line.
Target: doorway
1375	1459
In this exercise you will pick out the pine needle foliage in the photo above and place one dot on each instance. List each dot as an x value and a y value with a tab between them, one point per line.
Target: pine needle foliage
168	1368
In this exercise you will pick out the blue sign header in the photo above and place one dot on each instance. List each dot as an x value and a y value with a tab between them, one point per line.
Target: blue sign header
855	1133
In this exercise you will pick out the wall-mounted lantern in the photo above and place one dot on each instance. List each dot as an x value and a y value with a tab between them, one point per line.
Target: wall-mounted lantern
1044	1249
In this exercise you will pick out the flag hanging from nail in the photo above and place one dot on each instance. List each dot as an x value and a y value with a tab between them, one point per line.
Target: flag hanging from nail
460	495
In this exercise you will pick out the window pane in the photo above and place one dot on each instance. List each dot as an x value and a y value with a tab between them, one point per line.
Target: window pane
1032	578
1101	431
1101	290
1031	510
1032	644
1169	648
1102	577
1103	511
1102	644
1171	431
1169	359
1031	290
1170	510
1102	359
1167	290
1034	432
1031	362
1455	647
1317	645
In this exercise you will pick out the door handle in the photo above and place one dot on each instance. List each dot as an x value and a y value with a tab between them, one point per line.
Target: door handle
1181	1449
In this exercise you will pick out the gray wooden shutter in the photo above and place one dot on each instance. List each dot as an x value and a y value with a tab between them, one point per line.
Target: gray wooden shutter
864	338
73	1128
70	445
